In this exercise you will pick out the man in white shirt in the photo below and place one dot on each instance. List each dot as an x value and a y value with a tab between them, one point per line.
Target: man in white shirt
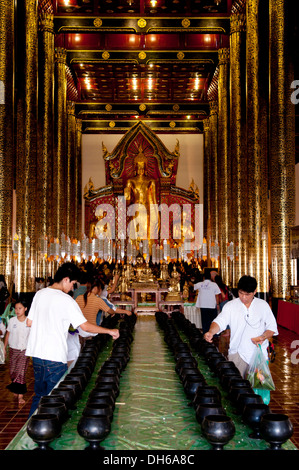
207	300
51	313
251	323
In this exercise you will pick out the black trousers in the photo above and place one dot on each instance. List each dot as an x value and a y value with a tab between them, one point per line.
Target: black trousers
207	316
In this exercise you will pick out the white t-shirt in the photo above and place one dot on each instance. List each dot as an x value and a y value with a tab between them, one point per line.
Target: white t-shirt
246	324
52	311
207	291
73	343
18	333
2	329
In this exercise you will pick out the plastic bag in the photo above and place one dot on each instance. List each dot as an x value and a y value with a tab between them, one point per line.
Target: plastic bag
2	356
259	374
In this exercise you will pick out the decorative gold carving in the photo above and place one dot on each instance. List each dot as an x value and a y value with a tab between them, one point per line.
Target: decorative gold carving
213	170
206	125
97	22
111	124
142	107
26	160
70	195
105	55
60	55
172	124
224	168
71	108
185	23
142	55
45	134
160	150
223	55
60	128
257	147
180	55
77	180
108	107
213	107
7	151
46	22
176	107
237	23
281	148
141	23
239	221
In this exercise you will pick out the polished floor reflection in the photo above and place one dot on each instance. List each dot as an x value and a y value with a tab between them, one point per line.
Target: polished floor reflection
285	371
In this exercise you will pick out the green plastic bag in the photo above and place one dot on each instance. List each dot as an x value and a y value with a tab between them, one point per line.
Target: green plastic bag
265	394
259	374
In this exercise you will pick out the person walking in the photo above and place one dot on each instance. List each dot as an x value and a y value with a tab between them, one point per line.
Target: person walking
224	296
51	313
16	339
207	300
251	323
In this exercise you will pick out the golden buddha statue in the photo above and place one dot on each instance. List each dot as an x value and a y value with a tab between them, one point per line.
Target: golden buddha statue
143	274
141	189
174	287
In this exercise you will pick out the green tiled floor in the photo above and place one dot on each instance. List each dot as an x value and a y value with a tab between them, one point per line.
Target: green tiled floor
152	411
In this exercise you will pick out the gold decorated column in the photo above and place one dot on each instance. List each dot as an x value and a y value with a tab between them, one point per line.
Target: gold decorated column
6	135
224	164
78	181
60	148
257	141
238	233
26	143
207	185
45	136
281	146
70	170
214	171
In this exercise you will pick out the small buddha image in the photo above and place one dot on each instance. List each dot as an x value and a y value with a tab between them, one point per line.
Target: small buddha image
97	227
174	286
140	269
183	228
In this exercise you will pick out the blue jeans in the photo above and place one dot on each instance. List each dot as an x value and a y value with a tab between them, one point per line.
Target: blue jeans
46	376
99	317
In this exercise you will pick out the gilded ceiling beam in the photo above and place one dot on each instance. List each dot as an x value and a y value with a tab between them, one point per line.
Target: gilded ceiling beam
207	25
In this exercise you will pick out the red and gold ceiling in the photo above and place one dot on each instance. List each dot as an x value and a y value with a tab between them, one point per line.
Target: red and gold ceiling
147	60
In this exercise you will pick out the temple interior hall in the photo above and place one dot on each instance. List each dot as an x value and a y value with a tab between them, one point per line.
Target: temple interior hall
155	141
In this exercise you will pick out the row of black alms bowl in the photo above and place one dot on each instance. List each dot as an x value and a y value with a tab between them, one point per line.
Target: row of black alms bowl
53	409
95	422
186	364
272	427
275	428
217	427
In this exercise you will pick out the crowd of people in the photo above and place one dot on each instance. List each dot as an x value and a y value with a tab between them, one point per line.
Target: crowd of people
70	308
